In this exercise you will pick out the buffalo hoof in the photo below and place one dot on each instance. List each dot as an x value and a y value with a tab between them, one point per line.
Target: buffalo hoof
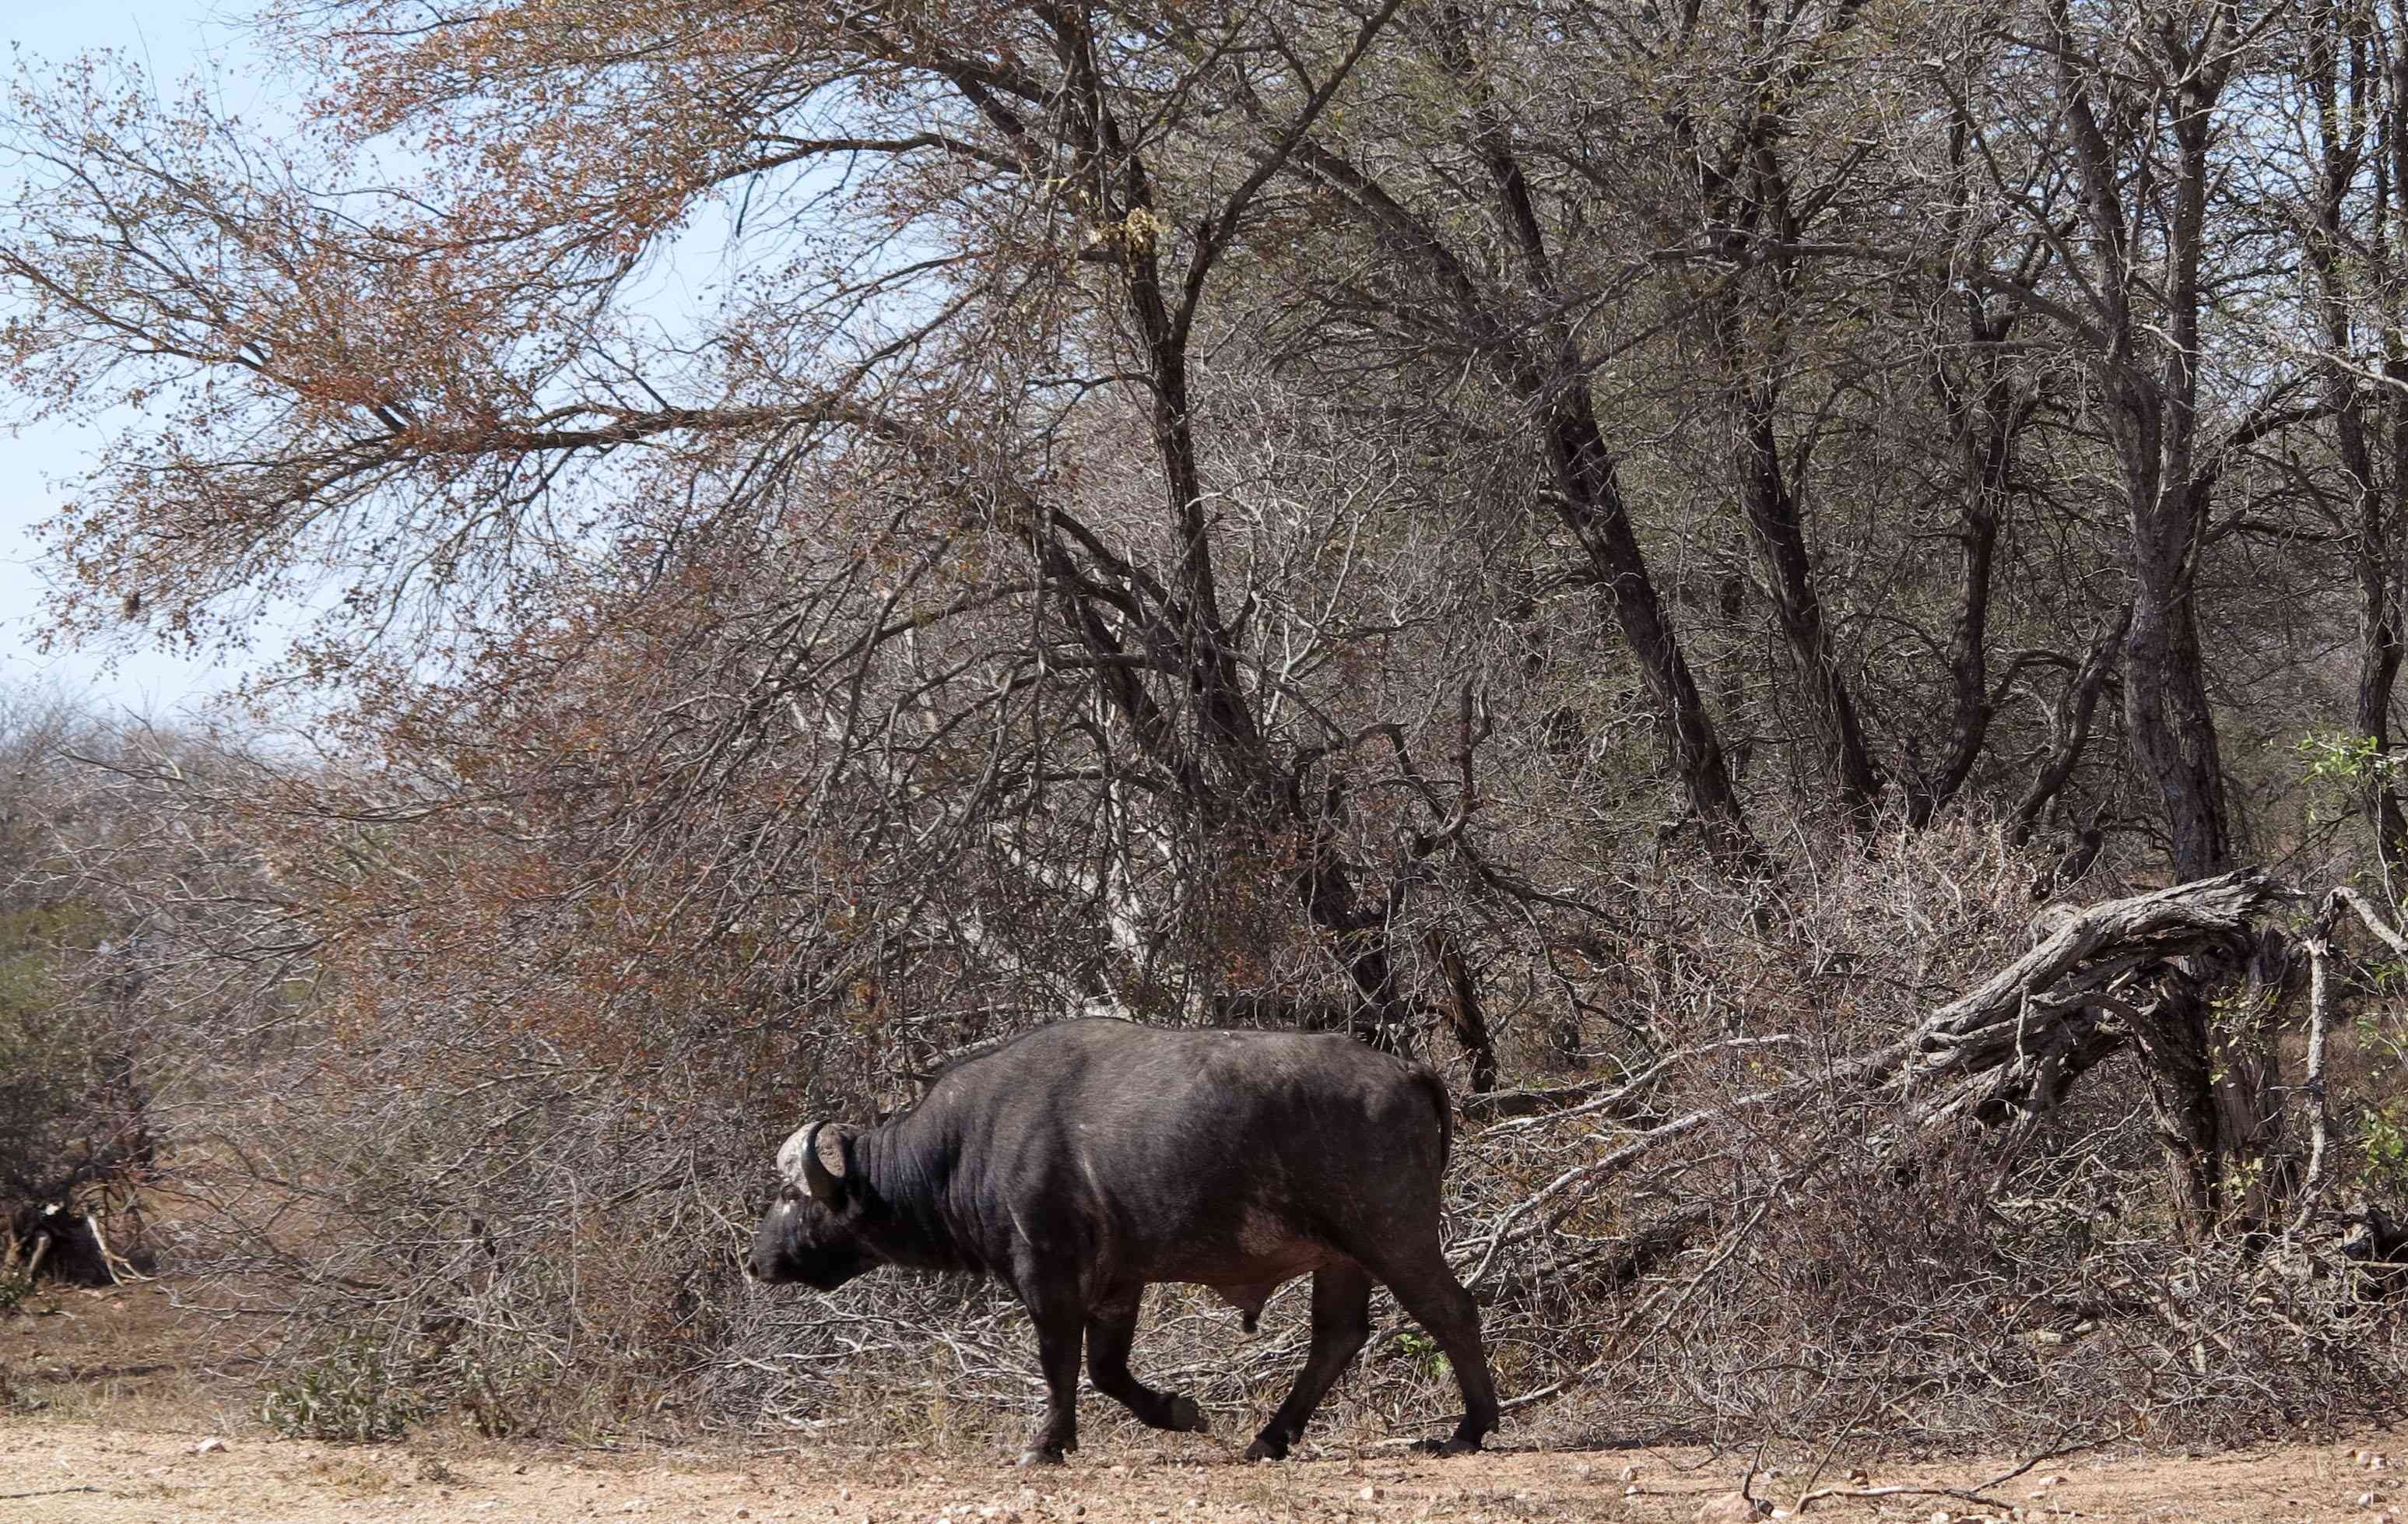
1266	1447
1459	1444
1181	1415
1041	1455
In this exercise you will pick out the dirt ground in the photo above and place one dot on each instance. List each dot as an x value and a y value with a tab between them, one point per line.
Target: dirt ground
124	1433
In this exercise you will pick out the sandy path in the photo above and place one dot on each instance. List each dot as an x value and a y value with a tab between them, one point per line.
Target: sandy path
121	1444
128	1474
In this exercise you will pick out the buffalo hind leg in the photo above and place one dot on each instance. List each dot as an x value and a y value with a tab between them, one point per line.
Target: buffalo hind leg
1341	1321
1111	1329
1059	1333
1428	1289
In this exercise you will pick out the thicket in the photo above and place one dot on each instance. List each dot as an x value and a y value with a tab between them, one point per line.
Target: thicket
1623	550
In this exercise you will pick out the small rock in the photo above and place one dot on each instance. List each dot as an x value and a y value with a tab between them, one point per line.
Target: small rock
1584	1471
1630	1473
1634	1490
1859	1476
844	1494
744	1513
1728	1508
1942	1516
210	1445
2366	1499
1369	1494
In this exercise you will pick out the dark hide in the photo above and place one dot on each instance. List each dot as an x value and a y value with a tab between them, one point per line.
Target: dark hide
1089	1159
2380	1249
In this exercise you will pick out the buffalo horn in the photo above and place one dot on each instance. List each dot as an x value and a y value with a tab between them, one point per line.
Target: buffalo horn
812	1160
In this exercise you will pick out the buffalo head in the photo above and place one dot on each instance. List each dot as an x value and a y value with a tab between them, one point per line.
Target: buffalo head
812	1233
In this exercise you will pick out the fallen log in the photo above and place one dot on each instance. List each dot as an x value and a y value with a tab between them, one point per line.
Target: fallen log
2008	1050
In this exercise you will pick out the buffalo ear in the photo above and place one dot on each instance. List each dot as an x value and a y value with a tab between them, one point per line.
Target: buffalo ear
812	1160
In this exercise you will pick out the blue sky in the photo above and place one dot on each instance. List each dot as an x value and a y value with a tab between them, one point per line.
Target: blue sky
170	39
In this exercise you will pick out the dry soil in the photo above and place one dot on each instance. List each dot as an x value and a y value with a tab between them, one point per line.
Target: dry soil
126	1434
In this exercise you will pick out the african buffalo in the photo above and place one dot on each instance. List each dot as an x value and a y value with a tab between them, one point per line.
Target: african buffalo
1086	1160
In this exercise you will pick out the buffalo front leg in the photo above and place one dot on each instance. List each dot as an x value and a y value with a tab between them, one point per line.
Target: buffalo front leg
1341	1321
1111	1329
1059	1333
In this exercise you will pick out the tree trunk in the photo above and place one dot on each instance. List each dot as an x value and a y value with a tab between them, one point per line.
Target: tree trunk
1592	509
2076	711
1986	416
2173	733
2144	342
1774	520
1550	378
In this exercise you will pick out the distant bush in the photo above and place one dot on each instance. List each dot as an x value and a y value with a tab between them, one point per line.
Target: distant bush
350	1393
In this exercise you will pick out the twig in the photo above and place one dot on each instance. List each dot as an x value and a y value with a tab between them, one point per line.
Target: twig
1631	1348
1872	1395
119	1269
1958	1493
45	1492
2372	918
1747	1483
2319	944
1976	1495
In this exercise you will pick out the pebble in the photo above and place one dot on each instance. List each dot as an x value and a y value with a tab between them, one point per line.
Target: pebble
210	1445
1369	1494
1630	1473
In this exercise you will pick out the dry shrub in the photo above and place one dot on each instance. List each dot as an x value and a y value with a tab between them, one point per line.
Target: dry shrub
537	1222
